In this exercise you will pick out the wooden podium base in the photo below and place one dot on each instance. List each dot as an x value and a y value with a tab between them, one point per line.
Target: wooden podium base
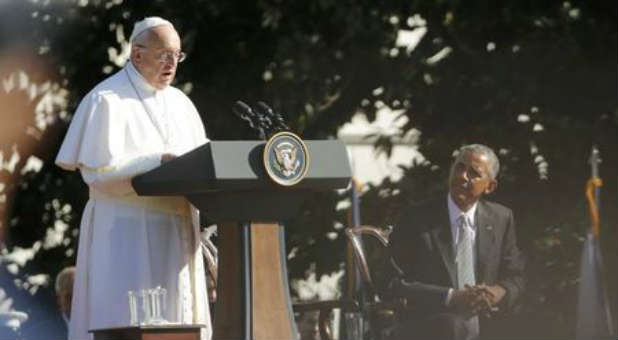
163	332
253	299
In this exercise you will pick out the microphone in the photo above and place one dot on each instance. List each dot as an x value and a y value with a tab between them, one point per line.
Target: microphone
277	122
245	113
267	110
267	117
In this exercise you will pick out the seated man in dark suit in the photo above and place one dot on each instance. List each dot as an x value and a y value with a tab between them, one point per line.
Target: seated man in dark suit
455	259
64	293
50	321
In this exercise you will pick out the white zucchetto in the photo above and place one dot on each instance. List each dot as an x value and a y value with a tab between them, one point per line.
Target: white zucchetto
147	24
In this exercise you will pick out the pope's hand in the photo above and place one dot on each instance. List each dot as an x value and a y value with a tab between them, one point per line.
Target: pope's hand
166	157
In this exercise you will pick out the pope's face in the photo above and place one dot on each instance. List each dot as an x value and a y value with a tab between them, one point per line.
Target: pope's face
157	58
470	179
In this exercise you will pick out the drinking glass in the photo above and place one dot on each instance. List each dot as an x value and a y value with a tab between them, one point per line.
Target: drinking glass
146	316
157	298
133	316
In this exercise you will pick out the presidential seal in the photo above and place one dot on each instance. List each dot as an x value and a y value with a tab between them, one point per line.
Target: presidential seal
286	158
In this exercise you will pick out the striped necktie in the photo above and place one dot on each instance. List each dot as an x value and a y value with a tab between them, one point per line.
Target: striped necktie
465	269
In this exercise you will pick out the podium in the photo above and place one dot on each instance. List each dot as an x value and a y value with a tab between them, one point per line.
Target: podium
228	182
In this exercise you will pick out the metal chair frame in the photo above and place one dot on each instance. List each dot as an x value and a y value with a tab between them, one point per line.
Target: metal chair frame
375	310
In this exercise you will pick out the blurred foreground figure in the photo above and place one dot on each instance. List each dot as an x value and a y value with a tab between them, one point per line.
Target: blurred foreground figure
64	293
128	124
456	259
49	321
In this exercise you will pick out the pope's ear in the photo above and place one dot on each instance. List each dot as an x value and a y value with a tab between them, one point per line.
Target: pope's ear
136	55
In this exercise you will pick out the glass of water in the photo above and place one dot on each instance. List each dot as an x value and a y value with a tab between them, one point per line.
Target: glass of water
157	304
133	314
147	306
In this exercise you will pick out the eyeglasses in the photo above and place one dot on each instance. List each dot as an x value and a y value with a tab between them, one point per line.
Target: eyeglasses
177	56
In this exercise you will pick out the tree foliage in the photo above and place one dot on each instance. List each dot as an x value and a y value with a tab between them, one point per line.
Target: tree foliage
536	80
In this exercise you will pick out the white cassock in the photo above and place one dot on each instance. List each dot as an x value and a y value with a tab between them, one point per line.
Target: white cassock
129	242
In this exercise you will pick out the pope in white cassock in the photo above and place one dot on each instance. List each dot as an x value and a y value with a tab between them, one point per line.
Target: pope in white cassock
128	124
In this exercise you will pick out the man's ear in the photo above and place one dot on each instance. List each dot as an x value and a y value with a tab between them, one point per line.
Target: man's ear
493	184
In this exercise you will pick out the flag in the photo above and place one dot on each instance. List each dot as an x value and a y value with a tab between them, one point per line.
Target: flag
594	319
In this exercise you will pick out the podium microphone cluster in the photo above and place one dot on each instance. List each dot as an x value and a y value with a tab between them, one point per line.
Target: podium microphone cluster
261	118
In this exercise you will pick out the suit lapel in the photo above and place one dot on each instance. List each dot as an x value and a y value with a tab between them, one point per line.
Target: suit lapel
486	240
443	237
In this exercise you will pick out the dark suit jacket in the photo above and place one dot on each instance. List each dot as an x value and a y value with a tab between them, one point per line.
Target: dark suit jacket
422	257
47	325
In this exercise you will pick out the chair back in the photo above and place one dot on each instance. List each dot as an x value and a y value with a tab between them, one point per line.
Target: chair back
377	313
355	238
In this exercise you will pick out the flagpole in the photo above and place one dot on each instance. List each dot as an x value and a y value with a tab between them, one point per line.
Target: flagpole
594	316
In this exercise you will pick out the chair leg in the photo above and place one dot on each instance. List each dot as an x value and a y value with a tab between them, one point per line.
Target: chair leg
324	324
